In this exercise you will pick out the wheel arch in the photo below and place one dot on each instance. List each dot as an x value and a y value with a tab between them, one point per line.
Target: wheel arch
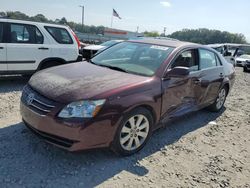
47	60
146	106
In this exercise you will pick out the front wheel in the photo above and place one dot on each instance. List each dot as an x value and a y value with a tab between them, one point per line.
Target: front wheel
220	100
133	132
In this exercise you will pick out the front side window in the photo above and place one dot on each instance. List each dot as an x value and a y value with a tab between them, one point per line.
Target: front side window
21	33
61	35
1	32
134	58
186	59
207	59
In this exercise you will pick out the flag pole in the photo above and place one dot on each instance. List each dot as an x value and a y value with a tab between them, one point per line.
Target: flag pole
112	20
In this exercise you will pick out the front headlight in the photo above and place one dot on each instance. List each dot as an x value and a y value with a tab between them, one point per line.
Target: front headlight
82	109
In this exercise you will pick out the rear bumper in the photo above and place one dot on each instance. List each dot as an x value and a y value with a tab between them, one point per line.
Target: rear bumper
69	136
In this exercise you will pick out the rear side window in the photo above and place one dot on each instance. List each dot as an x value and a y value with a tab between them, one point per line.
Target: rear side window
61	35
21	33
207	59
1	32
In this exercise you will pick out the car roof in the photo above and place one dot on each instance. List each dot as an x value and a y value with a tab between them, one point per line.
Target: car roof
32	22
164	42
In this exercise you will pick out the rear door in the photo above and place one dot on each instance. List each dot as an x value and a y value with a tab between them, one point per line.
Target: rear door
3	64
25	48
64	45
210	78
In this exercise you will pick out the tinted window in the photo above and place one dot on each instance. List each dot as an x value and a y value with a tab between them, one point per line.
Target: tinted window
186	59
207	59
20	33
135	58
61	35
1	32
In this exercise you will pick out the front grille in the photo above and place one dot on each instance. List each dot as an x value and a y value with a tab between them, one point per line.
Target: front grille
36	101
60	141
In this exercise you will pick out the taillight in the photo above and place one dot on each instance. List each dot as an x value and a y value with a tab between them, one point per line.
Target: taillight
76	38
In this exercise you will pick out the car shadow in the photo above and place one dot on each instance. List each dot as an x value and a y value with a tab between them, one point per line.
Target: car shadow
28	160
12	83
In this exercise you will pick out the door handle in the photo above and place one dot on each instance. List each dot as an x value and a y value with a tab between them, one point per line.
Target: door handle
1	47
221	75
43	48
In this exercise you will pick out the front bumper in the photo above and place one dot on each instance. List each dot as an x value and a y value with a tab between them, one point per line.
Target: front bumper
69	136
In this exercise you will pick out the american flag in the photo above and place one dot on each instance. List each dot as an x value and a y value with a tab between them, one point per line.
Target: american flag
116	14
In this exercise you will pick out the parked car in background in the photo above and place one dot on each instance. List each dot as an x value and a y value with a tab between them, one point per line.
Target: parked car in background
89	51
229	50
242	59
26	47
124	94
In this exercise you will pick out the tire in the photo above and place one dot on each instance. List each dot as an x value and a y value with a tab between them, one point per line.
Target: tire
220	100
49	64
245	69
131	138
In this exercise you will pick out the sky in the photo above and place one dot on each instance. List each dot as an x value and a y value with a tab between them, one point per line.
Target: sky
150	15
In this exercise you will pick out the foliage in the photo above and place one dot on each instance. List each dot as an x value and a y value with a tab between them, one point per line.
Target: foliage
41	18
151	34
206	36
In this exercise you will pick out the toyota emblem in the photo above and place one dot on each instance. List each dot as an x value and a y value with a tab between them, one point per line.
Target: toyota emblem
30	98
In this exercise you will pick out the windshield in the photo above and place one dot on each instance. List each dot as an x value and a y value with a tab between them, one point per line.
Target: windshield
135	58
109	43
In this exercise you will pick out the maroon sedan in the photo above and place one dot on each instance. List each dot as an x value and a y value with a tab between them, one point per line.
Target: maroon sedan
124	93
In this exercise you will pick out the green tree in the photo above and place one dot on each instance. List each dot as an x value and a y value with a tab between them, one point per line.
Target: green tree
151	34
206	36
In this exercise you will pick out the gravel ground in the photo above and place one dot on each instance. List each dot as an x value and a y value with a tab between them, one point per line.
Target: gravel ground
202	149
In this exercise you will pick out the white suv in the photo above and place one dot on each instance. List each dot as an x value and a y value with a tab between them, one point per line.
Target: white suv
26	47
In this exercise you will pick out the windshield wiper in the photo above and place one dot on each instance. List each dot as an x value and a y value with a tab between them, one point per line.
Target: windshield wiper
111	67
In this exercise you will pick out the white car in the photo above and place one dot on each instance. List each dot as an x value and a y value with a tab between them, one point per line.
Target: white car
240	61
91	50
26	47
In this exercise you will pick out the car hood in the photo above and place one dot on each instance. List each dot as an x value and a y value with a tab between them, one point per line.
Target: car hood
81	80
242	59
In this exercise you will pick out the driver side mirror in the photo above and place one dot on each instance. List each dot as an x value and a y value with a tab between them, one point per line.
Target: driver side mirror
177	72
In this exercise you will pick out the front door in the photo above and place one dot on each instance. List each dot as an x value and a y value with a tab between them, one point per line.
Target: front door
178	93
3	64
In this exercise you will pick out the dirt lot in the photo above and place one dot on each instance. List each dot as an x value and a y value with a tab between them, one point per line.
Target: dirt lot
202	149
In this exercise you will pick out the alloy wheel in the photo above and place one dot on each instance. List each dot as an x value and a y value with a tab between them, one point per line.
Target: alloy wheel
221	98
134	132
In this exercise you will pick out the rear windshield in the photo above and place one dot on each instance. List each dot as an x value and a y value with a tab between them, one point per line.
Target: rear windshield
61	35
1	32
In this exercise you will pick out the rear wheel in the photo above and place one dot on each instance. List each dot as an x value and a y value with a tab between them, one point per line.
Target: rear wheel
220	100
133	132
